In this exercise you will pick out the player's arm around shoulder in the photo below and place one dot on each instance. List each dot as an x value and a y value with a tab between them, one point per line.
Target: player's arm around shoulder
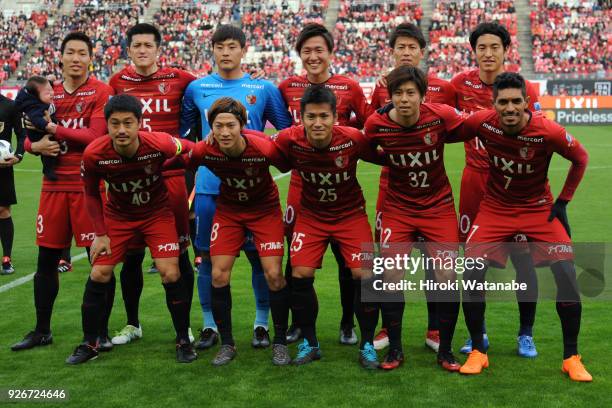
270	150
368	151
277	111
468	125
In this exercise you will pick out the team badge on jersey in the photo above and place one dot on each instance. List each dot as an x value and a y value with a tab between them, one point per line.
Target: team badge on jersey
79	107
250	171
341	161
526	153
251	99
430	138
163	88
149	169
570	139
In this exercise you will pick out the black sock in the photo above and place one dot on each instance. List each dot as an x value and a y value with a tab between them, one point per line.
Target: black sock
288	271
66	254
108	307
279	305
305	307
448	312
569	306
474	307
393	313
221	300
347	289
92	309
7	232
527	300
187	274
432	307
366	312
176	300
131	285
46	287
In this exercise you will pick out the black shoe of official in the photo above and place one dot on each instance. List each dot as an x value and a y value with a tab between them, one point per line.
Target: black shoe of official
104	344
7	266
293	334
185	353
82	354
33	339
261	338
208	338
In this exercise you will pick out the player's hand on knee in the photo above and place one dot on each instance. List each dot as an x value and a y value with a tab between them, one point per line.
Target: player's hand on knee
559	211
100	246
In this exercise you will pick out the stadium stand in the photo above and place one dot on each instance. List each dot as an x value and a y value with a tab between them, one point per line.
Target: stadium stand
17	34
362	31
188	28
571	36
104	21
272	28
451	22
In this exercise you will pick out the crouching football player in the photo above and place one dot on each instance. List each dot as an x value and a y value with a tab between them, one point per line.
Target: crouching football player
131	163
248	201
520	145
332	209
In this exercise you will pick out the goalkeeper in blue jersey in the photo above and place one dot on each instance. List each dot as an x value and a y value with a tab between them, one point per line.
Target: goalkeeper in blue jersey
263	102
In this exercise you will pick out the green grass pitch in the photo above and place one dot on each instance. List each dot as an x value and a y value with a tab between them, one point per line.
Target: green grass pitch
145	374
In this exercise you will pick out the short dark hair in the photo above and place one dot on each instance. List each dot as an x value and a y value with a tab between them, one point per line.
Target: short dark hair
229	32
403	74
407	30
144	28
77	36
318	94
509	80
123	103
314	30
493	29
32	84
227	105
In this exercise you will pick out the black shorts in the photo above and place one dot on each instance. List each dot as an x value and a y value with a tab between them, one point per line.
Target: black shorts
7	187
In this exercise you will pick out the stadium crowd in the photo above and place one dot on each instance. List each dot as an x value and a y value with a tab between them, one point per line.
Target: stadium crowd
449	49
104	22
187	33
17	34
571	38
361	35
271	30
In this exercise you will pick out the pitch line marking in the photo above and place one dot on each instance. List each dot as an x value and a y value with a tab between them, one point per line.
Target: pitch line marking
27	278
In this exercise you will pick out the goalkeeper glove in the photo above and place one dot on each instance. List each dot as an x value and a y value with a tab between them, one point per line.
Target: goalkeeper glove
558	211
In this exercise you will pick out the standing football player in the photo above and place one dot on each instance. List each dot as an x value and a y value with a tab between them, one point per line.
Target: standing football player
332	209
79	102
10	122
517	200
138	208
315	45
419	200
160	91
491	43
408	48
263	103
248	201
